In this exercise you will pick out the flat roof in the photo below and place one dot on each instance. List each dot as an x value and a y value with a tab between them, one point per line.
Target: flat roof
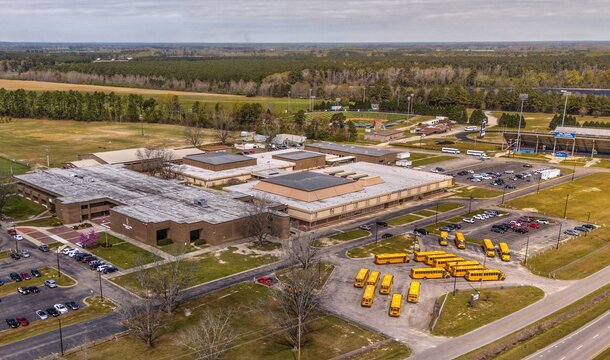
596	132
142	197
129	155
307	181
299	155
219	158
395	178
352	149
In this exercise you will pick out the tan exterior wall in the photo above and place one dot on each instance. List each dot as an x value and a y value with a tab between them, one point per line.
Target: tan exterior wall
309	163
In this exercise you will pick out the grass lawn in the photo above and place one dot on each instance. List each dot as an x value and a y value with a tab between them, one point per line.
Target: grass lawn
571	318
548	261
458	317
431	160
430	144
540	121
604	355
5	254
396	244
474	191
17	168
47	273
425	213
602	164
257	336
323	269
122	254
444	207
211	266
418	156
351	235
390	351
362	115
20	208
404	219
95	308
585	194
42	222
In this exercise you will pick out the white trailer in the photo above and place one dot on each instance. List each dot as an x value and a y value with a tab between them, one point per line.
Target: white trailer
403	155
404	163
549	174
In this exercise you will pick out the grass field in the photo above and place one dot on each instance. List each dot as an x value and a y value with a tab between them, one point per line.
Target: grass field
42	222
390	351
187	97
211	266
474	191
549	261
29	140
425	213
539	122
585	194
20	208
46	274
404	219
458	317
257	336
326	115
95	308
431	160
430	144
122	254
351	235
396	244
570	318
8	167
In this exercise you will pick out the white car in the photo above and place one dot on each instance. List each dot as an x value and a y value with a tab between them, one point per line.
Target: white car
476	180
72	252
468	220
18	237
61	308
542	221
42	315
509	171
66	250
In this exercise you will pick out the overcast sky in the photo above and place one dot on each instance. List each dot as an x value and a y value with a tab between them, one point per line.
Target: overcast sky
303	21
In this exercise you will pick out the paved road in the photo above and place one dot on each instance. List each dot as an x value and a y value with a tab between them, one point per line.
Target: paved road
584	343
498	329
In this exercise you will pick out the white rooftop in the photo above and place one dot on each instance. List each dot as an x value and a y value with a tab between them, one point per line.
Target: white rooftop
395	179
129	155
595	132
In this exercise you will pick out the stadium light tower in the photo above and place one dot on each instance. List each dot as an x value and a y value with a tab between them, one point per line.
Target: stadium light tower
565	105
522	97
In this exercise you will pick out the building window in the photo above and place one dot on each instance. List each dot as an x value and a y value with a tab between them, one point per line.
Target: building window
162	234
195	234
84	206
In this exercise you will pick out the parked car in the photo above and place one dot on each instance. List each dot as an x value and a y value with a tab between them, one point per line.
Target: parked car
15	277
590	226
571	232
534	225
22	321
15	256
420	231
582	229
43	248
542	221
455	226
42	315
386	236
25	276
509	171
18	237
51	311
61	308
50	284
528	165
12	323
510	186
23	290
526	219
365	227
35	273
110	269
468	220
66	250
498	230
34	289
24	254
520	230
11	232
72	305
382	223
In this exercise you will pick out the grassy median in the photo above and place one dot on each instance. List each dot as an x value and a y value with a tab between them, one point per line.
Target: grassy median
47	273
339	238
404	219
458	317
395	244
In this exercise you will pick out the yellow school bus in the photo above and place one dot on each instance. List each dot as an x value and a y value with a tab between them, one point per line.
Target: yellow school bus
460	241
367	297
421	255
386	284
361	277
430	258
442	239
460	271
413	295
373	278
504	251
395	305
440	263
488	248
485	275
451	264
396	258
429	273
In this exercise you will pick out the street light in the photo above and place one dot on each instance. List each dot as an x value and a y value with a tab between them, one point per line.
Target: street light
522	97
436	215
58	267
61	338
565	105
412	102
565	210
99	273
527	245
559	235
409	107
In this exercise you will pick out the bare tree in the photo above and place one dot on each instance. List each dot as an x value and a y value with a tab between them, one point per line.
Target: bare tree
211	337
7	189
194	135
258	221
298	250
158	162
143	319
223	125
297	304
168	281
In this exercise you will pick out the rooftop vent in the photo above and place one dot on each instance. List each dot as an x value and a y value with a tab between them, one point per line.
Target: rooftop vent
201	202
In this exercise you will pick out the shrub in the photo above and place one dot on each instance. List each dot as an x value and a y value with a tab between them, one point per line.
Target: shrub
199	242
164	242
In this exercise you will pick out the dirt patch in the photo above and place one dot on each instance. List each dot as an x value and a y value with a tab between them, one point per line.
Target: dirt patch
530	210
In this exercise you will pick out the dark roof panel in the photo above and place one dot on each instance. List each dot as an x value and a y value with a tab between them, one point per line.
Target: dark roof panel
308	181
298	155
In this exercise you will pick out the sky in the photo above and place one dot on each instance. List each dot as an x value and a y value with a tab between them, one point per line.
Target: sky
256	21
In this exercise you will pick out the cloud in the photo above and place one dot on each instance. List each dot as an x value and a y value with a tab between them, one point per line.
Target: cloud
303	21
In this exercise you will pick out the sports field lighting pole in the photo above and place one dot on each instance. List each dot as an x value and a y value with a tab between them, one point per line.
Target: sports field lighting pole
522	97
565	105
408	107
565	210
527	245
559	235
454	285
412	103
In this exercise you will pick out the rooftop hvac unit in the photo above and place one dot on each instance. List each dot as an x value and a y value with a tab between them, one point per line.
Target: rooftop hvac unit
201	202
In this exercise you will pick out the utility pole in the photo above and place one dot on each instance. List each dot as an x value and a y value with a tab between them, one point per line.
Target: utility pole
522	97
565	105
436	215
559	236
527	245
503	192
470	204
61	338
58	267
565	210
101	291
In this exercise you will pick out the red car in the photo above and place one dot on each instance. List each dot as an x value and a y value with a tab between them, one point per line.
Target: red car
11	232
534	225
25	276
22	321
